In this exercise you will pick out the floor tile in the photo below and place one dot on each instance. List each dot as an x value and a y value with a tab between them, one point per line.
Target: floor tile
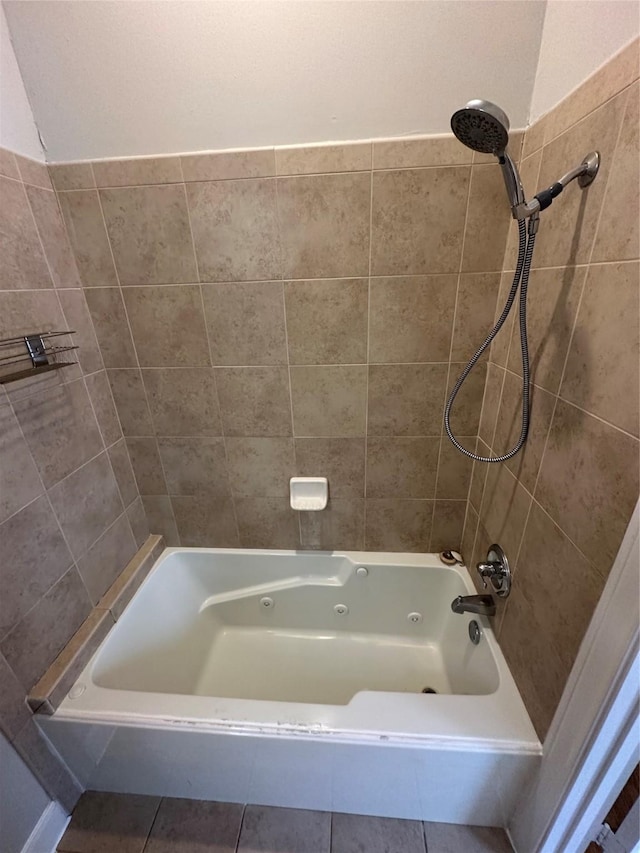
104	823
274	830
359	834
450	838
195	826
128	823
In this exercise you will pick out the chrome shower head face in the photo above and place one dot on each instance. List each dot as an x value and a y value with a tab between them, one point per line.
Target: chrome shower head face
482	126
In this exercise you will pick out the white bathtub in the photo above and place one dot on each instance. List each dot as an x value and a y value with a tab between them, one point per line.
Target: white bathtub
294	679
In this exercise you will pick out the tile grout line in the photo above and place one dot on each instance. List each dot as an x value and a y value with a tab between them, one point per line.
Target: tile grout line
293	436
561	106
29	502
524	527
47	784
576	406
232	496
595	564
106	530
108	457
12	159
590	112
143	285
475	533
593	246
331	813
477	436
135	351
566	359
60	308
73	565
368	357
247	178
482	494
66	476
286	336
511	333
95	416
20	180
45	494
153	823
115	408
41	243
288	436
240	827
577	314
182	181
535	501
75	470
449	361
300	364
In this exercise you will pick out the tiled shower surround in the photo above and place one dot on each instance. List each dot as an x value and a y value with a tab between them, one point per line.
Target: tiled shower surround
287	312
561	507
70	513
246	316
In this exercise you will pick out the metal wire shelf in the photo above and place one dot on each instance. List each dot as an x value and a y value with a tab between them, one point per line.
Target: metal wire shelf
32	354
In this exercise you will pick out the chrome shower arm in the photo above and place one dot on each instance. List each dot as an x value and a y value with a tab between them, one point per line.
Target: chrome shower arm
585	173
572	174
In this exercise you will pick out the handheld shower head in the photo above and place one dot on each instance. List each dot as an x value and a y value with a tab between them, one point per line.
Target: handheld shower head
481	126
484	127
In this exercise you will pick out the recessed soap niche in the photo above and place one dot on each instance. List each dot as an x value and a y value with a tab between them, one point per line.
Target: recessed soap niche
308	494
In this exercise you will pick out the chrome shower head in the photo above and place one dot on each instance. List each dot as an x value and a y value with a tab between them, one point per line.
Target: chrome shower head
484	127
481	126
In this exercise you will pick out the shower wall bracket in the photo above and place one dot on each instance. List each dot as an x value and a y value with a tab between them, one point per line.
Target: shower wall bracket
32	354
585	174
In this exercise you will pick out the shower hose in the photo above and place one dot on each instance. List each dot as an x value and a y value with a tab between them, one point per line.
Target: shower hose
526	245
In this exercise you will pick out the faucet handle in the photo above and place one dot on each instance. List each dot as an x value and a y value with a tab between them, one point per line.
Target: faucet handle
486	570
496	571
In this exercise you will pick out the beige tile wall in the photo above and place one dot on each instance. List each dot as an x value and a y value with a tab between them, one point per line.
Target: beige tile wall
247	316
561	507
269	313
70	512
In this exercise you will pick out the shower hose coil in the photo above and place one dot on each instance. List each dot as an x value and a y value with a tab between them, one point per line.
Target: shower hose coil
520	279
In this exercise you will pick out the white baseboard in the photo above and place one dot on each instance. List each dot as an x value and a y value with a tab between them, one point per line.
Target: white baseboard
48	831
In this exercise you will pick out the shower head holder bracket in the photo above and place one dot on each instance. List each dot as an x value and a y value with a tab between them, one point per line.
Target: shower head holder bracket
585	174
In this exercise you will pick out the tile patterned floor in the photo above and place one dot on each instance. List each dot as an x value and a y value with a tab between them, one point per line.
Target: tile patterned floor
127	823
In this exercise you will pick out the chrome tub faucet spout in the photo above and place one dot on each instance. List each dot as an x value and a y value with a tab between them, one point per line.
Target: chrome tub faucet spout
482	605
495	571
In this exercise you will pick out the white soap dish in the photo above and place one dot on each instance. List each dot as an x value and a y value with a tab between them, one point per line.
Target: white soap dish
308	493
